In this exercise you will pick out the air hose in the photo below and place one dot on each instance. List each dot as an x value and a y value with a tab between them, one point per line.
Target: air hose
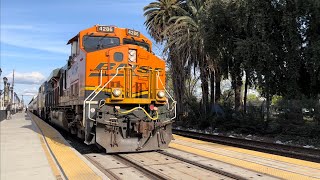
155	118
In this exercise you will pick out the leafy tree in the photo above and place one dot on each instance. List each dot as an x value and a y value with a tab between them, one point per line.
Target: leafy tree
274	43
222	28
309	26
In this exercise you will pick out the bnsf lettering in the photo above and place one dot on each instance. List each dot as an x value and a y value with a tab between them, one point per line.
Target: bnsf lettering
144	69
105	66
114	66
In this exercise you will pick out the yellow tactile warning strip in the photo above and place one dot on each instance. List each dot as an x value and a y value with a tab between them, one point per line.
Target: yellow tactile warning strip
53	166
72	165
281	165
238	162
254	153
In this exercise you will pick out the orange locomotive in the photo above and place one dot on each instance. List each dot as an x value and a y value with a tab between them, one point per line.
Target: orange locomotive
111	92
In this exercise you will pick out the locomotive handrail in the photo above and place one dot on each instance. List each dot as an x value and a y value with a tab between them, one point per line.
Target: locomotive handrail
174	102
97	92
84	102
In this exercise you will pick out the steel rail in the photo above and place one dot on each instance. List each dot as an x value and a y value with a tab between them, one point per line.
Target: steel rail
107	172
144	170
212	169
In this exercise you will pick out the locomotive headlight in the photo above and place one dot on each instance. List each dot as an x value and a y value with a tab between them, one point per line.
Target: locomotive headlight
116	92
132	55
161	94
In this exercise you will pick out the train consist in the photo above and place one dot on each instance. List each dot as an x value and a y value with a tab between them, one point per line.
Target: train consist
111	92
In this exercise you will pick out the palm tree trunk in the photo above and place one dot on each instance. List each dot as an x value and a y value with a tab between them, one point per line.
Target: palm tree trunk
218	88
268	99
212	88
237	83
178	81
204	87
245	93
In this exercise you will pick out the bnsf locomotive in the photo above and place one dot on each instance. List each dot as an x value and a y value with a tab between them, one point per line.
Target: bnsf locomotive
111	92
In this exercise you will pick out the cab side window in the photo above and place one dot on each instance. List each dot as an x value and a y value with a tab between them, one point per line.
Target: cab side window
74	48
74	51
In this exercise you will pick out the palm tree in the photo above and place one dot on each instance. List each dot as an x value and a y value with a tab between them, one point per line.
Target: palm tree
185	35
157	16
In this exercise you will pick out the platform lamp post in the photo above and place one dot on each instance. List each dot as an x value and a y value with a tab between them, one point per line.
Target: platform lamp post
5	80
5	92
22	102
8	94
12	100
1	100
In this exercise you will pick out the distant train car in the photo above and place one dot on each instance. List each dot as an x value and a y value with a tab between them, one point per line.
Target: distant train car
41	101
33	105
111	92
30	108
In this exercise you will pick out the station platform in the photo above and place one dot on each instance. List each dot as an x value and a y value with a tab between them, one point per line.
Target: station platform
32	149
268	164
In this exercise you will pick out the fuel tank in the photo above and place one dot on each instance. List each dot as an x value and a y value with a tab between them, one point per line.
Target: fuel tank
59	118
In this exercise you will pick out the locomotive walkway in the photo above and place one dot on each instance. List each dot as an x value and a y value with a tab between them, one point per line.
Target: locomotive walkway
34	150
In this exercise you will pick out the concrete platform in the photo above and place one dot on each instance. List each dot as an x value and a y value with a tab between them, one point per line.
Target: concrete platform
22	155
71	163
32	149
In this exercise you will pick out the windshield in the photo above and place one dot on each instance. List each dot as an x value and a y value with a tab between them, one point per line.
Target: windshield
94	43
141	44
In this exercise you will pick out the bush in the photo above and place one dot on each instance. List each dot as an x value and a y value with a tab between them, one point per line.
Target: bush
252	124
274	127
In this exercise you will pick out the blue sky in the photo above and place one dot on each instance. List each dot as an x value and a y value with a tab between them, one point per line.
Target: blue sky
34	33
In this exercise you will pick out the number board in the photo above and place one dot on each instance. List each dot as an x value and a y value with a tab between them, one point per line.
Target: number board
107	29
133	33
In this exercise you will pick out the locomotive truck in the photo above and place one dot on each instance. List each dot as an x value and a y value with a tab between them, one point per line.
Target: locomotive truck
111	92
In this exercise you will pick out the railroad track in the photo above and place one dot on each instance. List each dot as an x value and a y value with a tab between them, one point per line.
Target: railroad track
273	148
115	176
165	164
215	170
125	166
151	171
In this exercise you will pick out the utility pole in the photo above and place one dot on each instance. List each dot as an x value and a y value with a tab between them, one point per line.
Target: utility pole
1	99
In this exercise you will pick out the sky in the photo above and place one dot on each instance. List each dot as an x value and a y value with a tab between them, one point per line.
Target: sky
34	34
